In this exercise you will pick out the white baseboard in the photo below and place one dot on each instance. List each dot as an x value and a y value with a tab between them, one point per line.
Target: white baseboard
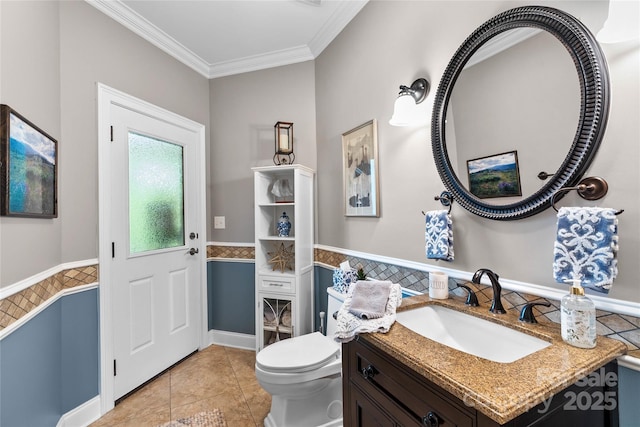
232	339
83	415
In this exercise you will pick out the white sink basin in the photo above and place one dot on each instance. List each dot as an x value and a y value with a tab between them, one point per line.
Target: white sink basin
470	334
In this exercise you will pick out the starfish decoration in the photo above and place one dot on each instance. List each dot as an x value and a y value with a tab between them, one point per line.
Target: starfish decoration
282	258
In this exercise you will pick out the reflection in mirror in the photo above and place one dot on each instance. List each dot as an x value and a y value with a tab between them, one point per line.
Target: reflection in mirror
524	98
531	82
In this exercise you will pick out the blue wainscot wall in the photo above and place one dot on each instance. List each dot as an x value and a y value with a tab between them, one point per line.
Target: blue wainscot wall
231	295
50	365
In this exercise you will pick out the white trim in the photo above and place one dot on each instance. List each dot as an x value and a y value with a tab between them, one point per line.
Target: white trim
629	362
233	244
43	275
602	303
345	12
238	260
106	97
501	42
39	309
232	339
132	20
82	415
278	58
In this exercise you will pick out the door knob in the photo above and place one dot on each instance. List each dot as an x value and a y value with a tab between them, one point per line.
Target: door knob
193	251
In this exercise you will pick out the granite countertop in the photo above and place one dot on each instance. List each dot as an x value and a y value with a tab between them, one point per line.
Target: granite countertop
502	391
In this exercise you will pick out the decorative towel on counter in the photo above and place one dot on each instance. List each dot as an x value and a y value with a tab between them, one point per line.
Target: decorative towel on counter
439	235
349	325
342	279
586	247
369	299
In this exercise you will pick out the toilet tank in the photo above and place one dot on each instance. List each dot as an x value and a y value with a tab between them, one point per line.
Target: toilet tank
334	301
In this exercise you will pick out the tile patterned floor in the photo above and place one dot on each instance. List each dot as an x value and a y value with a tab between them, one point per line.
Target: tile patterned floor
216	377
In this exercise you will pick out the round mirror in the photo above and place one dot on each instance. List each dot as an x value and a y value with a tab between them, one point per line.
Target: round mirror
513	122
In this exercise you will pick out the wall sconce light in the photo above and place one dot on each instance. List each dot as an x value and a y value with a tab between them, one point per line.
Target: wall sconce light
622	22
284	144
405	112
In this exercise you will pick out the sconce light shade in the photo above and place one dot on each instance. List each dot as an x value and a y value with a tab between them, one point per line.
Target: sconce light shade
284	144
622	23
405	112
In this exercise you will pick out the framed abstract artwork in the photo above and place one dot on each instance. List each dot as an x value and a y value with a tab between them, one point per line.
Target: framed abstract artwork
360	170
28	168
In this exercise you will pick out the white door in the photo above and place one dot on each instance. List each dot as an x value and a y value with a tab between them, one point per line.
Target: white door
155	273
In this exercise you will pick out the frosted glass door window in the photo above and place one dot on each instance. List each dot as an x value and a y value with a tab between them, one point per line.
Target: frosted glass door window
156	194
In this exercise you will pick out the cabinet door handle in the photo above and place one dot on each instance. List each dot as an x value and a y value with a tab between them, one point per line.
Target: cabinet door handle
275	284
369	372
431	420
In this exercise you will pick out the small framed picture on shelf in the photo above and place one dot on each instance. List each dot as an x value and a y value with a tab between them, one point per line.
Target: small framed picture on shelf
360	170
28	168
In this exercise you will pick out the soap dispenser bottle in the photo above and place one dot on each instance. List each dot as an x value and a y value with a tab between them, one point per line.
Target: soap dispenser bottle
578	318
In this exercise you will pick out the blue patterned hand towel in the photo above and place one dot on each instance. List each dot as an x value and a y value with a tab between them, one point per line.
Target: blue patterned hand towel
439	235
586	247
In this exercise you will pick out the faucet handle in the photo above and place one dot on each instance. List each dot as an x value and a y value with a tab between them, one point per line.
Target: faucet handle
526	315
472	299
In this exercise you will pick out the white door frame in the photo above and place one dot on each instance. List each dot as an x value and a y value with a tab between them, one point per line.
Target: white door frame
106	98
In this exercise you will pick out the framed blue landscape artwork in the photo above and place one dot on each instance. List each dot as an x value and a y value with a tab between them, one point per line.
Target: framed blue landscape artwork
28	168
495	176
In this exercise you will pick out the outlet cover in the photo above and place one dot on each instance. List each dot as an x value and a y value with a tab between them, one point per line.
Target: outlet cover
218	222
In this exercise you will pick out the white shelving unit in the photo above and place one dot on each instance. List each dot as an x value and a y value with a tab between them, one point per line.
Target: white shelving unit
284	299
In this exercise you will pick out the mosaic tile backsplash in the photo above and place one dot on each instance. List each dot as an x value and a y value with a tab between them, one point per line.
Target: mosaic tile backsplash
20	304
621	327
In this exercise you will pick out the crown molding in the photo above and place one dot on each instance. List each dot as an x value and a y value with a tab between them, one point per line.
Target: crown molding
343	14
261	62
501	42
126	16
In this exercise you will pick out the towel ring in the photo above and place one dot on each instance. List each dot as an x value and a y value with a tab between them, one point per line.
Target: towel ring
590	188
446	198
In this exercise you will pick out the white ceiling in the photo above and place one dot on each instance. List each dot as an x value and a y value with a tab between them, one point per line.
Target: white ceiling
224	37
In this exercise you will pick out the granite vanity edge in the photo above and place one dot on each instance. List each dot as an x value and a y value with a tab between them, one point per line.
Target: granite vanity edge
469	377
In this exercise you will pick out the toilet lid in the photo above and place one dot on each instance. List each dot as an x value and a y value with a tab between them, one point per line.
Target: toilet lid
299	354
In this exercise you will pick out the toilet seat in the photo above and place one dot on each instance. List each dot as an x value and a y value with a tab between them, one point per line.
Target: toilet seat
299	354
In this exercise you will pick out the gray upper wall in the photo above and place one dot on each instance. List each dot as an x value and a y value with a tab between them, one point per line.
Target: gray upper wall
244	110
392	43
71	46
30	84
52	56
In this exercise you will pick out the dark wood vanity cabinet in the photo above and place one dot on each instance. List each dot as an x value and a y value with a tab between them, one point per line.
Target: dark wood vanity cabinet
379	391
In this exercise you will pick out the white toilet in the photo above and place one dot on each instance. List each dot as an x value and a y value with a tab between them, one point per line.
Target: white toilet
303	376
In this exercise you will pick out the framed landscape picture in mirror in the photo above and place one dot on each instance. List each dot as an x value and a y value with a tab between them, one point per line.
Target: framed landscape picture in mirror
494	176
360	170
28	168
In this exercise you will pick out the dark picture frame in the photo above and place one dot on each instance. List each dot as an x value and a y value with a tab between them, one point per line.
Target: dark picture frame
493	176
360	170
28	168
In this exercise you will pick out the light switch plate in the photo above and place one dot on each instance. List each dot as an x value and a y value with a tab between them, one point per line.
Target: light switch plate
218	222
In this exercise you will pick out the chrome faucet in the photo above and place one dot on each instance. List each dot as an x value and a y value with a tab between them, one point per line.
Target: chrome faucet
496	303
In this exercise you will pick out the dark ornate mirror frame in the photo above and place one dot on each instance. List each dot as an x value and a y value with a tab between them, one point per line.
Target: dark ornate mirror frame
593	76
